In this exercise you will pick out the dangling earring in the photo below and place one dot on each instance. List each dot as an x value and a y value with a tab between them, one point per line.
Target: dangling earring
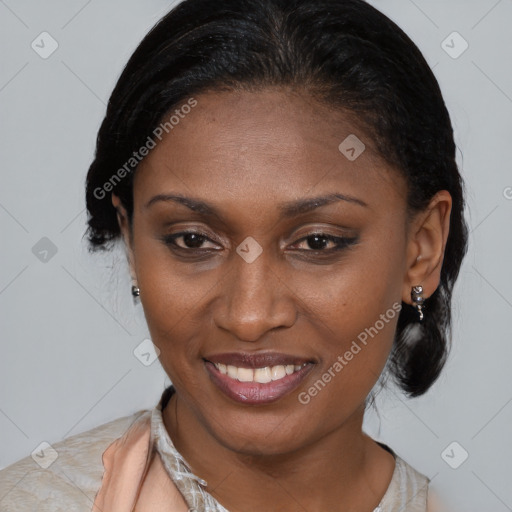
418	300
135	291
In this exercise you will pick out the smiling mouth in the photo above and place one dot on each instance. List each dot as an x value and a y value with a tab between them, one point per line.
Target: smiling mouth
260	375
258	378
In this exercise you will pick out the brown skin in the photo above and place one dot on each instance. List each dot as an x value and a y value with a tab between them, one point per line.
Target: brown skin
245	153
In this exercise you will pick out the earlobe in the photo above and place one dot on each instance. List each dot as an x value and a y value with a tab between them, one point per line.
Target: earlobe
426	245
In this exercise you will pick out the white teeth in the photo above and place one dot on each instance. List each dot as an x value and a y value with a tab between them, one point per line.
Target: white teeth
260	375
278	372
245	374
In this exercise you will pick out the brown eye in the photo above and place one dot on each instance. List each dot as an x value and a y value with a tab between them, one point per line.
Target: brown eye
318	242
192	240
188	240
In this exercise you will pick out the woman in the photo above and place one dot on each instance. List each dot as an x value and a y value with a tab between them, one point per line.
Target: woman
283	177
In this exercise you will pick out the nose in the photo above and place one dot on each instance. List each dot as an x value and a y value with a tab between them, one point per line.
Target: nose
256	299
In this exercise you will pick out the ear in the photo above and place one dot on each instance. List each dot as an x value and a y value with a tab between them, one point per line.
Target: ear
124	226
427	236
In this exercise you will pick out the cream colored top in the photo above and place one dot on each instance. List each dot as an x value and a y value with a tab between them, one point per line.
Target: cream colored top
129	447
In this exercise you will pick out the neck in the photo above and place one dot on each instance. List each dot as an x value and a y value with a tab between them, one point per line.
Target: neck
345	468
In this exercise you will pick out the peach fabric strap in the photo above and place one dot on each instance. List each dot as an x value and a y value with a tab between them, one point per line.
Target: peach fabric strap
125	463
134	479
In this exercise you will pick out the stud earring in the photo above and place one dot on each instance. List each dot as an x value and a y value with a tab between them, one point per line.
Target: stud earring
135	291
418	301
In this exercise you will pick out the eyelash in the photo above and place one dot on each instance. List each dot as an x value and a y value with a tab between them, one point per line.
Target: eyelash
341	242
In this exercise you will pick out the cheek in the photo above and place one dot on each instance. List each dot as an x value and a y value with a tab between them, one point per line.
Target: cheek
175	300
353	338
353	294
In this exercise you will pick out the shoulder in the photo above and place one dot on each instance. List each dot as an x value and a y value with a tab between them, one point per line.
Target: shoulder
410	490
407	490
423	496
68	483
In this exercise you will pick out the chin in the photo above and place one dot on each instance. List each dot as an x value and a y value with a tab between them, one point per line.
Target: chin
268	434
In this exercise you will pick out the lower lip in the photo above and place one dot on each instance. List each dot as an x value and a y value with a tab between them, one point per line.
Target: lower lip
254	393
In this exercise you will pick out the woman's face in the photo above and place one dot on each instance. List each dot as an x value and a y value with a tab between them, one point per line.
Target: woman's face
269	277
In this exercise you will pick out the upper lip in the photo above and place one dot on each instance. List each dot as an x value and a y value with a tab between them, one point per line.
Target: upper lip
256	360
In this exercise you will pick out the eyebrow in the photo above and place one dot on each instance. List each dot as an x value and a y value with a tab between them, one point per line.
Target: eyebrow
287	209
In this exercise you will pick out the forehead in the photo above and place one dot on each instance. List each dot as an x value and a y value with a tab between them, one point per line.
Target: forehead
277	143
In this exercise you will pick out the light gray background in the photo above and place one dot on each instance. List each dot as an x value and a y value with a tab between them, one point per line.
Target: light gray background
69	327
